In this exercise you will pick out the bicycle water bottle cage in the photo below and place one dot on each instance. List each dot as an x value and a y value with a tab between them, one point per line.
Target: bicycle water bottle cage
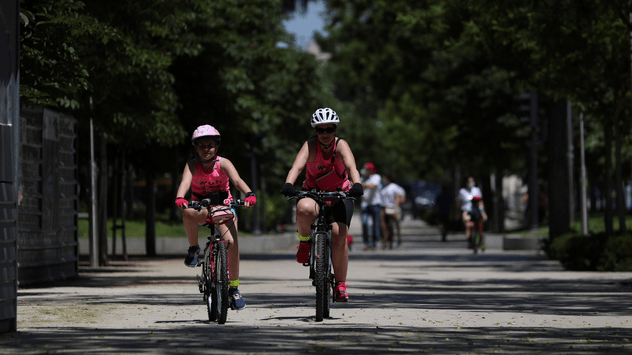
220	214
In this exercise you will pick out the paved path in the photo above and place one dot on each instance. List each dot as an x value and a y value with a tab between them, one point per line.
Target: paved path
424	297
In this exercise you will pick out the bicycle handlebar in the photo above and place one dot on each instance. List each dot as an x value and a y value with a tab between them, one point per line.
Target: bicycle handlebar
322	195
206	203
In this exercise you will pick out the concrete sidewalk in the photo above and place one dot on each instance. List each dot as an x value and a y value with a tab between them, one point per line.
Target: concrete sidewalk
426	296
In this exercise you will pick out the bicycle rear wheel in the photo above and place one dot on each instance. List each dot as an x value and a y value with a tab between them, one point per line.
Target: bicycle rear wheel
221	282
321	276
476	241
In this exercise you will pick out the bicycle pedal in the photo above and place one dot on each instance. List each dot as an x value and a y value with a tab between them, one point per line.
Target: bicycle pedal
200	283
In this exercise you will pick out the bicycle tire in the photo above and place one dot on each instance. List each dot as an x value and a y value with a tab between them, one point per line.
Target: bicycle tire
221	282
331	282
209	294
476	241
322	261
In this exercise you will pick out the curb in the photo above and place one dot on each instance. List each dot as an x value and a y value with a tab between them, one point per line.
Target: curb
512	242
516	242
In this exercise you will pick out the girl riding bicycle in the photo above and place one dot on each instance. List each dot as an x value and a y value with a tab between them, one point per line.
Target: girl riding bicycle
330	167
208	176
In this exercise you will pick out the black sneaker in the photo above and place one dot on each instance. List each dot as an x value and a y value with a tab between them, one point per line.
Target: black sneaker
192	256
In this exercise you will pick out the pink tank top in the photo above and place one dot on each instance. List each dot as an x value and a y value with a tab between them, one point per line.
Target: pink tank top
326	175
204	183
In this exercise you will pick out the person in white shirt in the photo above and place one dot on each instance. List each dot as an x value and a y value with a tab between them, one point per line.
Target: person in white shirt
371	206
392	196
464	204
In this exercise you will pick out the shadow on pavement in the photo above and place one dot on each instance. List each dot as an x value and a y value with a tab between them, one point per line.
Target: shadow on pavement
198	337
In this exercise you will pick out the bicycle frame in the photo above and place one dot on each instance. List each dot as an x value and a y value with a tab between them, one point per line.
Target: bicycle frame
320	260
213	282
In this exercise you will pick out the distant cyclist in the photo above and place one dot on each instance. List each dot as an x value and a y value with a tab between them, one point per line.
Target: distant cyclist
464	204
329	166
208	176
476	216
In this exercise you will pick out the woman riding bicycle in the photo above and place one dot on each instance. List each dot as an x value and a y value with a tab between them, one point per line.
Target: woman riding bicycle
330	164
208	176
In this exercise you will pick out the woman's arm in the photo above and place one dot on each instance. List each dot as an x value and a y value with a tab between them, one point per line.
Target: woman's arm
346	156
299	164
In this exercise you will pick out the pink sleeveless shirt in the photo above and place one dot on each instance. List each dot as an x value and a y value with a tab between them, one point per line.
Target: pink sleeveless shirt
326	175
208	182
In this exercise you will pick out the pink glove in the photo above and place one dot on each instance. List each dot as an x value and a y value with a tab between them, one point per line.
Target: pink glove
251	199
182	202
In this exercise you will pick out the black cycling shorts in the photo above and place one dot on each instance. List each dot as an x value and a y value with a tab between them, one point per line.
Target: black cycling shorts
340	212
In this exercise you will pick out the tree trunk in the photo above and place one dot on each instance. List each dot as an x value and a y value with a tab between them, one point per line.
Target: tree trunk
619	177
499	203
488	199
129	213
607	127
103	201
174	216
559	199
150	214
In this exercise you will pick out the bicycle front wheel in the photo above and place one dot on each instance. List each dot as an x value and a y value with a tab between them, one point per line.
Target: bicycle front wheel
209	296
321	275
221	282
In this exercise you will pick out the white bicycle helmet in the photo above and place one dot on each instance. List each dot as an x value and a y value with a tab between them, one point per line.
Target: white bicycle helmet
325	116
206	131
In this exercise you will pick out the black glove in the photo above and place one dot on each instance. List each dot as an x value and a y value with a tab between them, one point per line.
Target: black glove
356	190
288	190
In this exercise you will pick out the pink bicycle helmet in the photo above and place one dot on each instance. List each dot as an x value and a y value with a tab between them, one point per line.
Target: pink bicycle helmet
206	131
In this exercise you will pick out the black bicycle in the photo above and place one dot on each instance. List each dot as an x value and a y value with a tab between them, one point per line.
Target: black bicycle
475	241
320	268
475	237
214	280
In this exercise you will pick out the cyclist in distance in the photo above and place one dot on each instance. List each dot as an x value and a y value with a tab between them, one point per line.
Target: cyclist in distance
464	204
330	167
477	216
208	176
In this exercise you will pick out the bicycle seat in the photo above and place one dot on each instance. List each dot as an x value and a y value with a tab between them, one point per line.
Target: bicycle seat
220	214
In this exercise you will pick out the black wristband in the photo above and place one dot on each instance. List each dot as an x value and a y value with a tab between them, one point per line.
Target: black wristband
248	194
179	197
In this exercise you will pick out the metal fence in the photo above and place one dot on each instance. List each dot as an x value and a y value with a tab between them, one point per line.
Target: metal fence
8	216
47	204
9	122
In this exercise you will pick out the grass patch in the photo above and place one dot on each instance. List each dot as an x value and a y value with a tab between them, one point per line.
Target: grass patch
136	229
596	225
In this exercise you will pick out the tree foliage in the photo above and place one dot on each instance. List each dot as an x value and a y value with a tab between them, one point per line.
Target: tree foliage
150	71
439	97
